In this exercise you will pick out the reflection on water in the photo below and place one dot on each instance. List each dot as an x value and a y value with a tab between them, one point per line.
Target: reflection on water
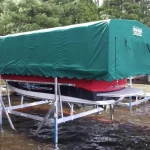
127	131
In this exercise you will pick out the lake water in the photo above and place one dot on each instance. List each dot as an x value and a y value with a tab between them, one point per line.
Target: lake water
128	131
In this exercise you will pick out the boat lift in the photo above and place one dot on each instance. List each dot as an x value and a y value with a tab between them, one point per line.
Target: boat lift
56	108
110	98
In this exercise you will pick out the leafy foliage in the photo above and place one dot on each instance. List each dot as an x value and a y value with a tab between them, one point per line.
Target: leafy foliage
121	9
125	9
27	15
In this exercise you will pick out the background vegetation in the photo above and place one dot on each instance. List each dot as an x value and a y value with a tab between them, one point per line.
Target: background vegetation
27	15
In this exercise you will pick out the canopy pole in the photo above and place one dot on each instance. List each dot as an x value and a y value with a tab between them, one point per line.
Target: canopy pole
56	116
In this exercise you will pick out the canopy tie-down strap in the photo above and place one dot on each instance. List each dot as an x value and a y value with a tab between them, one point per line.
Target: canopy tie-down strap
148	47
126	43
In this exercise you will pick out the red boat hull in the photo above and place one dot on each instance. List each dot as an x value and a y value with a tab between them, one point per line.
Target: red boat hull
90	85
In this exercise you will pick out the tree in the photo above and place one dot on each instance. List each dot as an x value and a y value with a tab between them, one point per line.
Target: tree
79	12
125	9
120	9
145	7
27	15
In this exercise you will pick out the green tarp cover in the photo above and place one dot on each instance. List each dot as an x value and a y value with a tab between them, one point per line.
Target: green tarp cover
108	50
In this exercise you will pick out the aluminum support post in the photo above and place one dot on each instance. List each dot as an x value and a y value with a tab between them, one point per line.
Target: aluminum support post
22	98
60	101
71	112
1	109
8	94
56	116
130	81
44	120
111	111
130	103
7	115
1	128
4	108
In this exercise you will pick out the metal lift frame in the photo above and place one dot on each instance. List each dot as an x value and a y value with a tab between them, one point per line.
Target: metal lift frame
57	99
57	105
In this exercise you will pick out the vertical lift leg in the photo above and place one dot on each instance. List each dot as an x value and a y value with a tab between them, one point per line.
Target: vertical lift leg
1	128
2	107
8	94
130	98
130	103
111	111
60	101
7	115
22	98
56	116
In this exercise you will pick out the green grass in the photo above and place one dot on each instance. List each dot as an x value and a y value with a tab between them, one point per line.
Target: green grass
2	82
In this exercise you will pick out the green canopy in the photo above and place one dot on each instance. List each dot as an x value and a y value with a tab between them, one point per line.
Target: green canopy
108	50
